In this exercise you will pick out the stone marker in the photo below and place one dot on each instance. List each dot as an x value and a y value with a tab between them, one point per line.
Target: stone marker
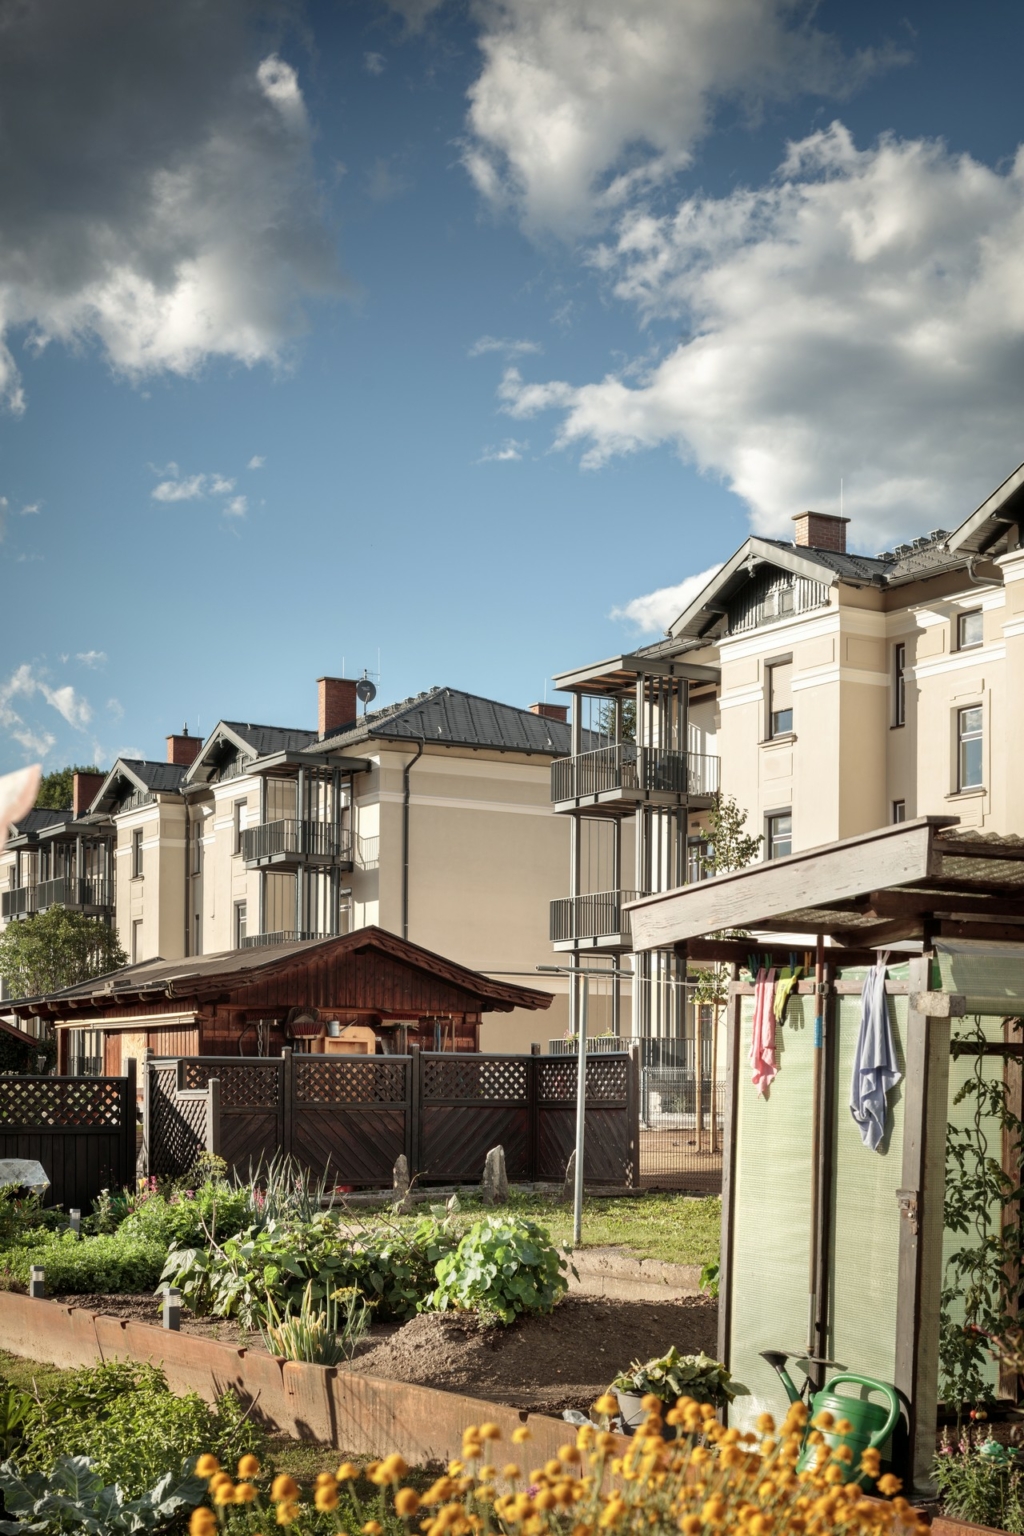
494	1184
568	1194
402	1186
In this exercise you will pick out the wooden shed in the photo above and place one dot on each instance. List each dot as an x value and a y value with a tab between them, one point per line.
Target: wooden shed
831	1250
363	991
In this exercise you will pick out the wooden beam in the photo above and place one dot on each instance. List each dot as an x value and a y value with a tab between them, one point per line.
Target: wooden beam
893	932
964	849
1010	933
725	951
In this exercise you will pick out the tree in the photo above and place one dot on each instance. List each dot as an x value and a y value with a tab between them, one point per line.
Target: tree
606	719
56	787
56	949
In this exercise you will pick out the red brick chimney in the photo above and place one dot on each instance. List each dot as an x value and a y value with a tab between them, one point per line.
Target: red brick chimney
184	749
338	705
84	788
558	712
821	530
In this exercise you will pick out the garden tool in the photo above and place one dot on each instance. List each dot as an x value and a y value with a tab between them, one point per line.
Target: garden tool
871	1424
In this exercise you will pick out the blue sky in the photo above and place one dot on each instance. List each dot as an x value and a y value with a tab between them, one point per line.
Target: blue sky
450	332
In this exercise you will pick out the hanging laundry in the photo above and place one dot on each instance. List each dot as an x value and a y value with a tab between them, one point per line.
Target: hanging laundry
762	1044
875	1071
788	979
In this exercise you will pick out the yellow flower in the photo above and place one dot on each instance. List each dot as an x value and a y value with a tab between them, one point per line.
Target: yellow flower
888	1485
284	1489
569	1454
765	1424
394	1467
326	1498
245	1493
607	1404
585	1437
287	1512
490	1432
521	1435
207	1465
823	1420
224	1493
202	1522
347	1471
511	1471
407	1503
373	1528
690	1525
248	1466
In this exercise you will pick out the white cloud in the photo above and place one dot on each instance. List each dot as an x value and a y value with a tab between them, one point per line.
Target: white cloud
197	487
115	708
164	210
508	346
256	462
654	612
181	490
374	63
238	506
24	684
580	103
861	316
508	452
30	509
36	743
91	658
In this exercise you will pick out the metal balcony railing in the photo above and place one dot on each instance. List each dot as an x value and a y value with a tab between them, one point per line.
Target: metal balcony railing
283	936
597	1045
85	1066
597	916
20	902
304	839
634	768
67	891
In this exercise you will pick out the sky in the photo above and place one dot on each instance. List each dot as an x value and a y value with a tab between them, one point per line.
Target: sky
459	341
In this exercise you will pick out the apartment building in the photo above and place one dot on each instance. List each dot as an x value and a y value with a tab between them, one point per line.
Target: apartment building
828	692
430	818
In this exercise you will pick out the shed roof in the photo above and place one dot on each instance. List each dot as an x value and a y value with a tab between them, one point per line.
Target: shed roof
917	881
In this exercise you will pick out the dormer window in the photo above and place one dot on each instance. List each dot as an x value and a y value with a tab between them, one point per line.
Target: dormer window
779	603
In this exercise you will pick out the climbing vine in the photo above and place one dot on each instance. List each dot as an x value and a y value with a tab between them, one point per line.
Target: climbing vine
983	1205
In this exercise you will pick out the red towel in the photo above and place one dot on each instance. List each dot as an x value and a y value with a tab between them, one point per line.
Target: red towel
762	1044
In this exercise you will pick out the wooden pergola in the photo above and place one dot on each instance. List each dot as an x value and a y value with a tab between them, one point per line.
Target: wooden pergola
928	888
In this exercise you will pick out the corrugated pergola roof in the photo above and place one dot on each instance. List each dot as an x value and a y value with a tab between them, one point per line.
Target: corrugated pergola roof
920	880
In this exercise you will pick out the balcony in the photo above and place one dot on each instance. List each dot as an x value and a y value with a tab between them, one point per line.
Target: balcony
20	902
87	895
596	921
284	936
296	844
614	780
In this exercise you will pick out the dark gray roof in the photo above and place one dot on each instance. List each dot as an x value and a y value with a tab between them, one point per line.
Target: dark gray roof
35	821
453	718
855	568
265	739
160	777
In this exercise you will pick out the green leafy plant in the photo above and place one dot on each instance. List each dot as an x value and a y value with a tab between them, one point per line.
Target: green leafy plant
56	948
321	1334
503	1267
17	1411
978	1481
73	1497
90	1265
709	1277
673	1375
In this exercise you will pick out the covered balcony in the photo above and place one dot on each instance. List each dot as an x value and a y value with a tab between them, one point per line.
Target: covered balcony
90	895
595	921
292	844
613	780
20	902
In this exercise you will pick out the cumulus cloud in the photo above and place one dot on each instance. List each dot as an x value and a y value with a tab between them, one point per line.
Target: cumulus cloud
580	103
862	316
91	658
238	506
179	487
506	345
23	685
654	612
508	452
256	462
374	63
162	204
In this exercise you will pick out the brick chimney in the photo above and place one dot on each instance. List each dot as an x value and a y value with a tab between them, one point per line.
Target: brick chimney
184	749
559	712
338	706
84	788
821	530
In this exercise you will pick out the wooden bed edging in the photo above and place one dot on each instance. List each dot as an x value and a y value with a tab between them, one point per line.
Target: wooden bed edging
365	1415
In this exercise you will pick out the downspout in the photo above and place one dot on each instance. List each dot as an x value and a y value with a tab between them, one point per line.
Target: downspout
407	770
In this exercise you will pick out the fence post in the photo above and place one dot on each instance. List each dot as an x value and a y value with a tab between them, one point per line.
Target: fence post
633	1115
287	1100
129	1169
213	1116
415	1109
533	1070
147	1057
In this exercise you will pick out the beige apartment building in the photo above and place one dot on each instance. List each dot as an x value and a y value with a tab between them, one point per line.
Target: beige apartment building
829	692
431	818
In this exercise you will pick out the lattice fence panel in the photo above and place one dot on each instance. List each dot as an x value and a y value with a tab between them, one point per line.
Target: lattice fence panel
177	1127
60	1101
350	1082
607	1078
501	1079
245	1086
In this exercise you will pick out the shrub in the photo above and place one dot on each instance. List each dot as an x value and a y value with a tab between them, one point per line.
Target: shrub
180	1220
504	1266
981	1483
77	1266
73	1498
133	1429
675	1375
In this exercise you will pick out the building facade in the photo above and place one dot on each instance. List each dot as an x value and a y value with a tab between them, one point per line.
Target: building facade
431	819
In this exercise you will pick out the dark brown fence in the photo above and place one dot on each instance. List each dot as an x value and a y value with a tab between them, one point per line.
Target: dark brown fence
82	1130
352	1117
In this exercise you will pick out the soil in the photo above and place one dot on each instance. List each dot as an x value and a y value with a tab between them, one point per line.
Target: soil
544	1364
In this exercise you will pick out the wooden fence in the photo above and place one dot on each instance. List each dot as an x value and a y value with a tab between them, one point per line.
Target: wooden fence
352	1117
82	1130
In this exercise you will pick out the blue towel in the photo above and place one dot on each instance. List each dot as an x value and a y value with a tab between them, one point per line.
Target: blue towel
874	1063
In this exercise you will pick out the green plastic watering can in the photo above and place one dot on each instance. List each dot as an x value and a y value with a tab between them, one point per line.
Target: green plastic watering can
871	1424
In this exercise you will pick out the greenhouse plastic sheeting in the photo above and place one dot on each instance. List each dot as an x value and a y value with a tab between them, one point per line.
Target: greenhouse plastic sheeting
990	975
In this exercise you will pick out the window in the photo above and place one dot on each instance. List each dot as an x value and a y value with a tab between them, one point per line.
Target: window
780	698
698	851
136	941
239	824
240	908
137	854
969	747
899	811
899	684
778	604
779	834
968	630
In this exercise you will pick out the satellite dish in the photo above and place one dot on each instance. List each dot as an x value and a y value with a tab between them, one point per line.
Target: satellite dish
365	690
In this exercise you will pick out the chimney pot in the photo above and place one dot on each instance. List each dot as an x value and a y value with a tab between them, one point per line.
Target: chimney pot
184	749
821	530
558	712
338	705
84	788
